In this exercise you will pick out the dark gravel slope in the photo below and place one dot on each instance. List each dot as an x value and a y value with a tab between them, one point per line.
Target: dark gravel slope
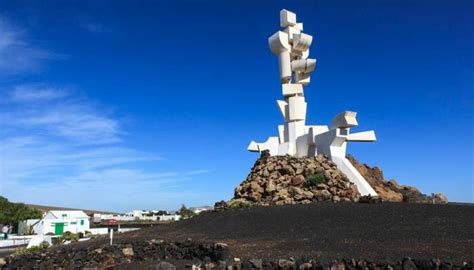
328	231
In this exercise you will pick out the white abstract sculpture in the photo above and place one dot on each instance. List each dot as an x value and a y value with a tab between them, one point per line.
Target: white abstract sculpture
295	138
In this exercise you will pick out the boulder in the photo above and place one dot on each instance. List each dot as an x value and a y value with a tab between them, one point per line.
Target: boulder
297	180
128	251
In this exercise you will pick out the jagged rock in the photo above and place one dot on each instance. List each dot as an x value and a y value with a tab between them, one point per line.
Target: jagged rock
128	251
297	180
391	190
440	198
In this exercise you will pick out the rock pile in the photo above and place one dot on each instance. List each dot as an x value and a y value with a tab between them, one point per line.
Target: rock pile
278	180
390	190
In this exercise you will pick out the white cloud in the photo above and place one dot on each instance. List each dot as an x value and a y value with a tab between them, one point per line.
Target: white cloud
30	93
197	172
64	150
17	54
94	27
53	110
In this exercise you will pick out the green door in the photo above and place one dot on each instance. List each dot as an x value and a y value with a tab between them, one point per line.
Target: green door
58	228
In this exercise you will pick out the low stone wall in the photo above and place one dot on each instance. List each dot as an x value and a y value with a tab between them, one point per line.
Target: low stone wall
195	255
124	253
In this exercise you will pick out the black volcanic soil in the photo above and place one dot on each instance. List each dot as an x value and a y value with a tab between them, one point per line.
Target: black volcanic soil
328	231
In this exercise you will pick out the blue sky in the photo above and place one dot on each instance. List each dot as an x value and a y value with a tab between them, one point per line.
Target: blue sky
123	105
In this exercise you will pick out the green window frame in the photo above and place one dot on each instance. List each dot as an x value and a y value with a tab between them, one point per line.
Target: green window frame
82	222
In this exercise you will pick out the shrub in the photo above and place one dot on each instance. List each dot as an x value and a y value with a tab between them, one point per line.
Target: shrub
42	246
314	180
12	213
240	204
28	230
235	204
184	212
69	236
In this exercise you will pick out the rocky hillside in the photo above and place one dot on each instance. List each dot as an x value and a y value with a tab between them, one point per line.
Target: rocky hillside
278	180
390	190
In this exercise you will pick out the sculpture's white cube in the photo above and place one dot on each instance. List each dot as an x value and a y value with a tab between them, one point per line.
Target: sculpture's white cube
292	31
287	18
291	89
345	119
303	78
293	130
296	108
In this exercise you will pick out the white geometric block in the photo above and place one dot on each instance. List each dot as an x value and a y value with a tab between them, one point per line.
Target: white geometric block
283	106
294	129
303	78
310	65
284	61
302	146
303	65
345	119
291	89
287	18
278	42
366	136
298	65
299	26
287	148
281	134
302	41
296	108
253	147
271	145
291	31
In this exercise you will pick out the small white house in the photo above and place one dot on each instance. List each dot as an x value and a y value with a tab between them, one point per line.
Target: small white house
58	222
174	217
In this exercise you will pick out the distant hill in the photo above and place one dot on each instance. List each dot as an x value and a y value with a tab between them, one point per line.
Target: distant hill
44	208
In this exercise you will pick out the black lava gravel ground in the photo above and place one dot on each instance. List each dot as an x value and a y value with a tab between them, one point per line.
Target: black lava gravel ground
328	231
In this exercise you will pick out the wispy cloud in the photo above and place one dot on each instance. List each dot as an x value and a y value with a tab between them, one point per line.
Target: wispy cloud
197	172
31	93
19	55
91	25
53	110
63	149
94	27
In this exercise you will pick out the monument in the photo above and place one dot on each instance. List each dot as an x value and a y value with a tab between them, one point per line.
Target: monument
295	138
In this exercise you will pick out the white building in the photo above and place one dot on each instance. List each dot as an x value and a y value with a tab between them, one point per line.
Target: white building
58	222
174	217
198	210
138	215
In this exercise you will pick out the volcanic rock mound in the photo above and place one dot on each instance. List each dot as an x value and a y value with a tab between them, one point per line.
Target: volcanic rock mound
278	180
